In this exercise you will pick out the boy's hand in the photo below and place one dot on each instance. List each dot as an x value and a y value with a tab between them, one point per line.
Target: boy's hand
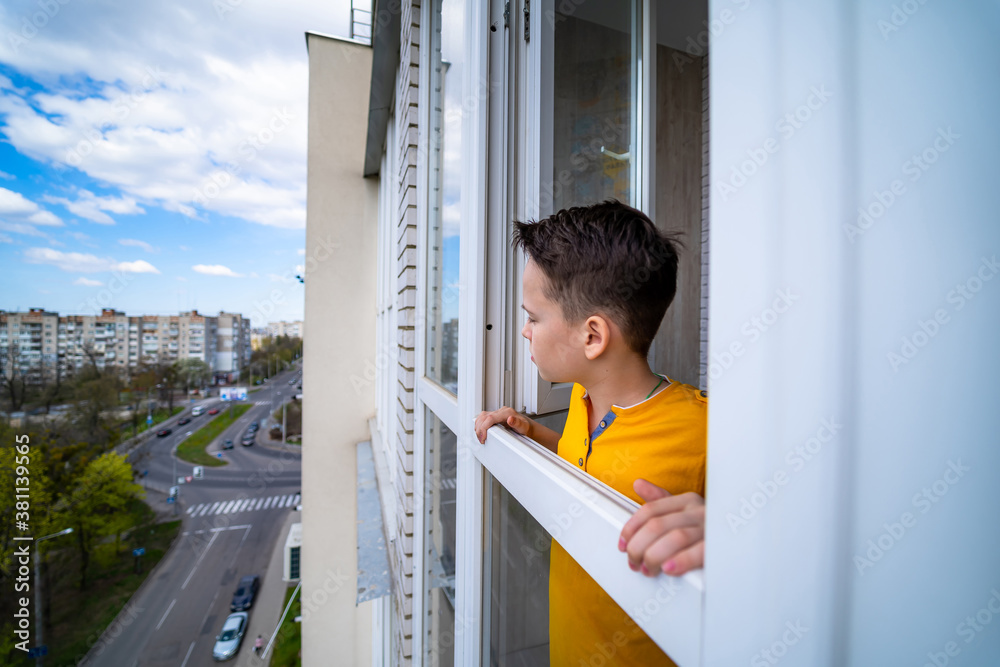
504	415
667	533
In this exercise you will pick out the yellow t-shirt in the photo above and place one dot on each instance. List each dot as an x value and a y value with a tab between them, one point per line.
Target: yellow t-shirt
662	439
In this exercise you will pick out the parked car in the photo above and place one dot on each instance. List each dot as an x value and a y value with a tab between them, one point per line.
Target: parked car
245	593
254	426
163	432
213	411
227	643
228	444
197	410
183	420
248	439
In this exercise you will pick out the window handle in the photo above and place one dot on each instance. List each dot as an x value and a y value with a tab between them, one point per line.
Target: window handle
624	157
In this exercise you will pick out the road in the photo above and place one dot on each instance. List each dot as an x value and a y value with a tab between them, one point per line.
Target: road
231	519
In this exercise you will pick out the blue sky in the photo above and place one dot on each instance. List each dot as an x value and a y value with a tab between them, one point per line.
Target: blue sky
153	155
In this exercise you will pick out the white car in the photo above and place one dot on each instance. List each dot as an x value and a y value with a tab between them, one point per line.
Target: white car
227	644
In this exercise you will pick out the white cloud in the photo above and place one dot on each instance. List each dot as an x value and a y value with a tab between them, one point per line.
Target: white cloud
216	270
138	266
5	239
91	207
184	248
87	282
301	251
17	209
76	262
137	243
172	103
7	177
21	228
275	278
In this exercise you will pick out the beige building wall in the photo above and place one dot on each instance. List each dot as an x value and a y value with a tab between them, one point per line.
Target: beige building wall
340	302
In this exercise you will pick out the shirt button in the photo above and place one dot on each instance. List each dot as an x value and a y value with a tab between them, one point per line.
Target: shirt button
604	424
581	462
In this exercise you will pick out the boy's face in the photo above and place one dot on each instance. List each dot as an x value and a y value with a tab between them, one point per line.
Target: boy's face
553	340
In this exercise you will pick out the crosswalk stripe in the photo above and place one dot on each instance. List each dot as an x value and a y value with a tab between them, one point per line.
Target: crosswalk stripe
245	505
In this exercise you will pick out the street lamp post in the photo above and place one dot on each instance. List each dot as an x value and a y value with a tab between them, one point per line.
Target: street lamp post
39	623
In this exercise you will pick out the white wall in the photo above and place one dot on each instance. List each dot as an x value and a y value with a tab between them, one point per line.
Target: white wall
340	321
790	580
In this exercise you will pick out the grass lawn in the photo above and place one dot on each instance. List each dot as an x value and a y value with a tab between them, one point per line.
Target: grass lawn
192	449
287	651
79	617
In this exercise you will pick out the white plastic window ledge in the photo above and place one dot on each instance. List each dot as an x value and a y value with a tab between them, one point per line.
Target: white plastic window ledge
586	517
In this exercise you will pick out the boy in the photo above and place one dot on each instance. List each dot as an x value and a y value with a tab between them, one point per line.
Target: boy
596	286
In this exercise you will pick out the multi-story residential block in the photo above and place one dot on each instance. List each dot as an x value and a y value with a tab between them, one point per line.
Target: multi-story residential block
41	343
290	329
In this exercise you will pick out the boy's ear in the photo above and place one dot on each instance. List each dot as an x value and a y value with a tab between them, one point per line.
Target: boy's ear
597	336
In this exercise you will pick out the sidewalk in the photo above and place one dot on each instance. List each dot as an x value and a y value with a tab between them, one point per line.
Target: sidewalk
268	607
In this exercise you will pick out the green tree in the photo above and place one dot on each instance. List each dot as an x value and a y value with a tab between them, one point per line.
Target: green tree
192	373
14	465
98	504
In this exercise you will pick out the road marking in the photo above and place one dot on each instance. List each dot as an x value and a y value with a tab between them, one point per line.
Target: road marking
190	648
243	540
297	499
214	508
255	505
165	613
191	509
228	506
246	505
205	509
267	503
198	562
286	501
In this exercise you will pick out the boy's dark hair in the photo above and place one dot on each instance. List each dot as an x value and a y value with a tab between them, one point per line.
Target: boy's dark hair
606	258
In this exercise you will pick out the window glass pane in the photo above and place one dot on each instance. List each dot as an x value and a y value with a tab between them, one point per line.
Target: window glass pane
440	465
543	607
444	193
519	584
592	105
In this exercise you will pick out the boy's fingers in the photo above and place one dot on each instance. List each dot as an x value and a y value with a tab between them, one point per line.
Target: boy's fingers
662	537
691	558
666	505
518	423
649	491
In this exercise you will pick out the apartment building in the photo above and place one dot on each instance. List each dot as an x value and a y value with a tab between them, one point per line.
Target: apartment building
290	329
760	131
41	343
